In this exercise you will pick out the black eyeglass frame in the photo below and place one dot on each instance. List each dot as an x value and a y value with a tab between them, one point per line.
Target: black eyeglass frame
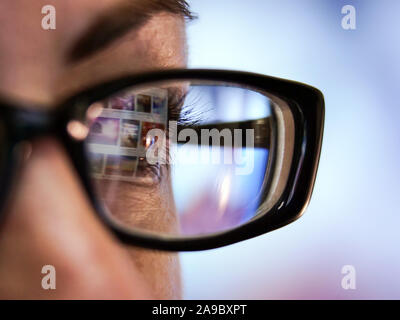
22	123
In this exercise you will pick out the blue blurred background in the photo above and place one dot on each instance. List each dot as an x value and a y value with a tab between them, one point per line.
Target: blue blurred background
353	216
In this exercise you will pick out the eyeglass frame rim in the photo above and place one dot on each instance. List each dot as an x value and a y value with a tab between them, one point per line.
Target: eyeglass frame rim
305	101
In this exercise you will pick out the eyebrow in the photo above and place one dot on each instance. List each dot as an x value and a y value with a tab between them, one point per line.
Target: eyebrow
116	22
106	29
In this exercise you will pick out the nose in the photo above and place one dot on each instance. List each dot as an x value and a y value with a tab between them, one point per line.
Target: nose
49	221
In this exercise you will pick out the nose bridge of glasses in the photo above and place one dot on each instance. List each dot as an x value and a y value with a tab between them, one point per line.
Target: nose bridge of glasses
29	124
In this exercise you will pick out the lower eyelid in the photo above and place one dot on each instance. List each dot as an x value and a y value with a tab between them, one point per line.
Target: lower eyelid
147	182
150	175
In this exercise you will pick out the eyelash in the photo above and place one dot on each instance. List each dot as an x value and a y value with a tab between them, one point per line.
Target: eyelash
174	114
187	115
183	114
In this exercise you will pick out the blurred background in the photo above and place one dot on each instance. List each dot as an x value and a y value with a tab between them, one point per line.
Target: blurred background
353	218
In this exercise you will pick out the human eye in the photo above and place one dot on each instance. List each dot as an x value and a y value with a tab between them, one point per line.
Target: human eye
118	140
212	138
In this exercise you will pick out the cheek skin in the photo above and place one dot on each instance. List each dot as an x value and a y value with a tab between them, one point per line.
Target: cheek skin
160	270
49	221
153	209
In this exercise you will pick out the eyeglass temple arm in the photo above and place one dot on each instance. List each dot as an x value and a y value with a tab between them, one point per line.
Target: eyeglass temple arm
261	127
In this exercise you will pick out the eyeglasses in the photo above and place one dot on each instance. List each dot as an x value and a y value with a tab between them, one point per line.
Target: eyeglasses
183	160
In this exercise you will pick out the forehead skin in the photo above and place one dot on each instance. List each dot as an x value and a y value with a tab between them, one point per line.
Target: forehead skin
161	43
32	60
33	68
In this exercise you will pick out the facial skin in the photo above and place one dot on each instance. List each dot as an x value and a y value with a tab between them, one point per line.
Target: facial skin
48	220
